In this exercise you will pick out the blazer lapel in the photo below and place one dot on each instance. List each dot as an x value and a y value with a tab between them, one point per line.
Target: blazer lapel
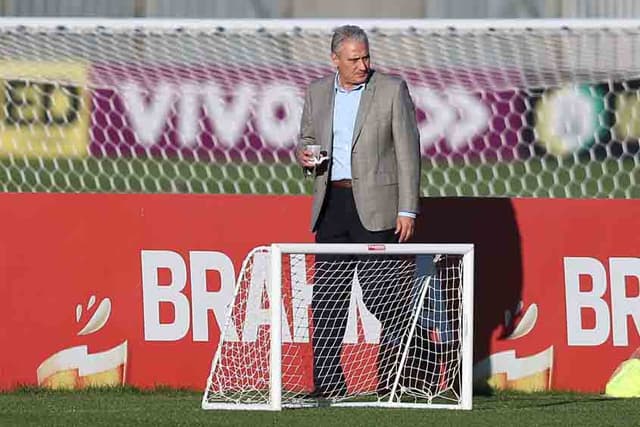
363	108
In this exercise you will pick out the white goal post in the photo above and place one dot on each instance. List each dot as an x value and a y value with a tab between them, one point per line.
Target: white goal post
383	325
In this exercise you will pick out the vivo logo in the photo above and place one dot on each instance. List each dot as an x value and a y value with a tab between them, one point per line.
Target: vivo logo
273	111
150	111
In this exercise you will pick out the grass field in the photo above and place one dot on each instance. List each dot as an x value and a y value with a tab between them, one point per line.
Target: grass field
537	177
166	407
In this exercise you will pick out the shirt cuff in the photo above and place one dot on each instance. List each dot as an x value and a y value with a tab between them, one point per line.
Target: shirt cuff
407	214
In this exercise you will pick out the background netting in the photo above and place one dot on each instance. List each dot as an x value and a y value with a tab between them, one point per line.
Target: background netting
215	108
351	325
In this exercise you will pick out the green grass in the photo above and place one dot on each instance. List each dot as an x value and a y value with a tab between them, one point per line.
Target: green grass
149	175
110	407
536	177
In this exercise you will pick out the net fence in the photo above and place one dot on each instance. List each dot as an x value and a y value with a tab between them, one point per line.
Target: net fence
354	328
214	106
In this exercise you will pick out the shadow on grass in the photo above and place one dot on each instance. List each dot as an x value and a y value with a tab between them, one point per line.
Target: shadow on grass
490	399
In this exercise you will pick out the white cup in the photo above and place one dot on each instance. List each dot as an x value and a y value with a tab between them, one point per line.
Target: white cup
315	151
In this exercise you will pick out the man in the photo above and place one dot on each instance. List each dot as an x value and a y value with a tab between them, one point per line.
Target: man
367	192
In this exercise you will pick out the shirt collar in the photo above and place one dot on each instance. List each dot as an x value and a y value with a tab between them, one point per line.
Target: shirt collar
338	88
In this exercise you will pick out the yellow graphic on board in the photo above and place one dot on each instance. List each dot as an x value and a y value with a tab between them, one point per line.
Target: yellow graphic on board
44	109
76	367
507	371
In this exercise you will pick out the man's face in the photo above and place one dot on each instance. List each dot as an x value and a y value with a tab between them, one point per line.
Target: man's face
352	62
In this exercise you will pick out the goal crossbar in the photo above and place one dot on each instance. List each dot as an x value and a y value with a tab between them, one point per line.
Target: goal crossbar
373	248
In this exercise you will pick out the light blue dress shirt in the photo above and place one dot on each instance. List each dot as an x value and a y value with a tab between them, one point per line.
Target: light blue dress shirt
345	111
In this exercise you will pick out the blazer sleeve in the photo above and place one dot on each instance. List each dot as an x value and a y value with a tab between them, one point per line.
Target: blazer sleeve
307	134
407	146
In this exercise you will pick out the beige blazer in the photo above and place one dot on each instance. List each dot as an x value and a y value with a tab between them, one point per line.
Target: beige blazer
385	153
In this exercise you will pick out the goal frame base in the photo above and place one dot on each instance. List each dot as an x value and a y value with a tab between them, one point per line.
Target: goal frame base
322	404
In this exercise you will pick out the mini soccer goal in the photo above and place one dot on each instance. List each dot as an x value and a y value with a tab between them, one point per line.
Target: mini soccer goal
347	325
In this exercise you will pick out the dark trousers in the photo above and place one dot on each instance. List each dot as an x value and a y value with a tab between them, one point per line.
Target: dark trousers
386	293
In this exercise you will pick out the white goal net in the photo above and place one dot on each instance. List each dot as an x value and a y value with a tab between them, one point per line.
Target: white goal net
516	108
355	325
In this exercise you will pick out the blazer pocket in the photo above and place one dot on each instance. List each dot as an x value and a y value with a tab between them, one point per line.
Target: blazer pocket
385	178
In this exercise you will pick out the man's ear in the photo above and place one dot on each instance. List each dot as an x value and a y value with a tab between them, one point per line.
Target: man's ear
334	59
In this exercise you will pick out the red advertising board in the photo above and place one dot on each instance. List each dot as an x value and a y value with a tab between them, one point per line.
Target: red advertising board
557	303
73	263
108	289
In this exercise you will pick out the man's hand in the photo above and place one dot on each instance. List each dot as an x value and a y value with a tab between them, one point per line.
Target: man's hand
305	158
405	226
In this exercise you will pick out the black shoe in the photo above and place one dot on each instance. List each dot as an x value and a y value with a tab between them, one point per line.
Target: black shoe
316	393
338	393
383	391
321	394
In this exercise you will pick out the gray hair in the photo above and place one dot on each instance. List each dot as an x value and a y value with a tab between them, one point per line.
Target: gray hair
347	32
